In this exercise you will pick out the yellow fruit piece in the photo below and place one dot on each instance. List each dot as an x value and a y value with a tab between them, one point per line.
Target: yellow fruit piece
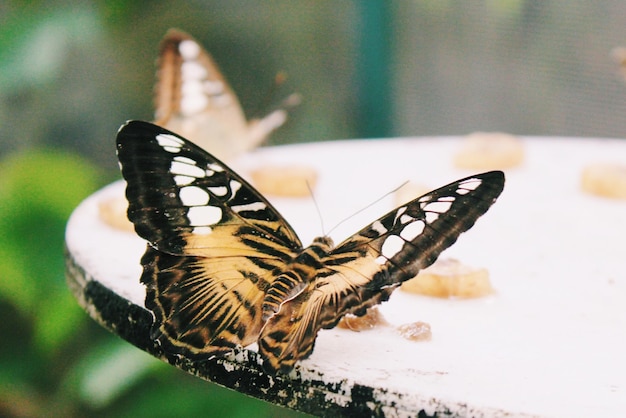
449	278
288	181
489	151
371	319
112	211
409	192
608	180
415	331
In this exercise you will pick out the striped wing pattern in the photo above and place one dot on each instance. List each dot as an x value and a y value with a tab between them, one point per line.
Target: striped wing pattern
214	241
366	268
223	268
192	97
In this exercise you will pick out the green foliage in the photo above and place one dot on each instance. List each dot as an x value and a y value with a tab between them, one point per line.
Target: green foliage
54	360
33	45
38	191
57	361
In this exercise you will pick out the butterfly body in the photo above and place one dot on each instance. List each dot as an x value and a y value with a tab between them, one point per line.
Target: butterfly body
223	268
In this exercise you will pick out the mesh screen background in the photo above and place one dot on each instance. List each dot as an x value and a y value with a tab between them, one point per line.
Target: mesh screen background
525	67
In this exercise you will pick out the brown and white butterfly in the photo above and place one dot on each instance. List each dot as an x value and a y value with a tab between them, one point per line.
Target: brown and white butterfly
223	268
194	99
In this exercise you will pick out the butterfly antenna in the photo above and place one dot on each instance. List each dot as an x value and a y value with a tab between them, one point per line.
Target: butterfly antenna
317	207
367	206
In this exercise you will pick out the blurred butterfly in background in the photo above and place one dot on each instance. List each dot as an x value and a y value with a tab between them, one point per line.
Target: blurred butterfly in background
224	269
194	99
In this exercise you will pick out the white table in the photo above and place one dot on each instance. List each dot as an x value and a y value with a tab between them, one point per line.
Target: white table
550	342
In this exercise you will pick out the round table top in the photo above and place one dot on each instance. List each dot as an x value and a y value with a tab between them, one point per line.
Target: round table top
549	342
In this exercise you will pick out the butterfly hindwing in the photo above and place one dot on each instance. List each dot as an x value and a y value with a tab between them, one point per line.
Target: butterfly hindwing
365	269
214	241
203	307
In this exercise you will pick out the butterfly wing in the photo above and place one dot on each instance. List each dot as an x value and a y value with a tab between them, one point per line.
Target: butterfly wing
366	268
214	241
194	99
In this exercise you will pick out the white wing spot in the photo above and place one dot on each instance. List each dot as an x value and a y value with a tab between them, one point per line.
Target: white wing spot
234	187
191	87
189	49
392	246
215	167
186	169
204	215
399	213
405	219
250	207
202	230
380	260
183	159
193	103
193	71
219	190
193	196
183	180
431	217
468	186
412	230
169	143
378	227
438	206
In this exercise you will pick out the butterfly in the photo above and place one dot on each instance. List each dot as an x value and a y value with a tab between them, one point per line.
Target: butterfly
224	269
192	97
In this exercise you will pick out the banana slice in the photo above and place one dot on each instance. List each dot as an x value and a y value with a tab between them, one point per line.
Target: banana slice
287	181
603	179
112	211
490	150
415	331
371	319
449	278
408	192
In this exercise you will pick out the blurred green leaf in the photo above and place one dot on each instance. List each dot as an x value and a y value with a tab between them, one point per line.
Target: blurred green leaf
34	45
14	283
38	191
58	317
174	393
111	370
52	180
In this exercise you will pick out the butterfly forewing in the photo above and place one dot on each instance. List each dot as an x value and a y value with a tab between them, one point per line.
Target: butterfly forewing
184	201
215	241
193	98
366	268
